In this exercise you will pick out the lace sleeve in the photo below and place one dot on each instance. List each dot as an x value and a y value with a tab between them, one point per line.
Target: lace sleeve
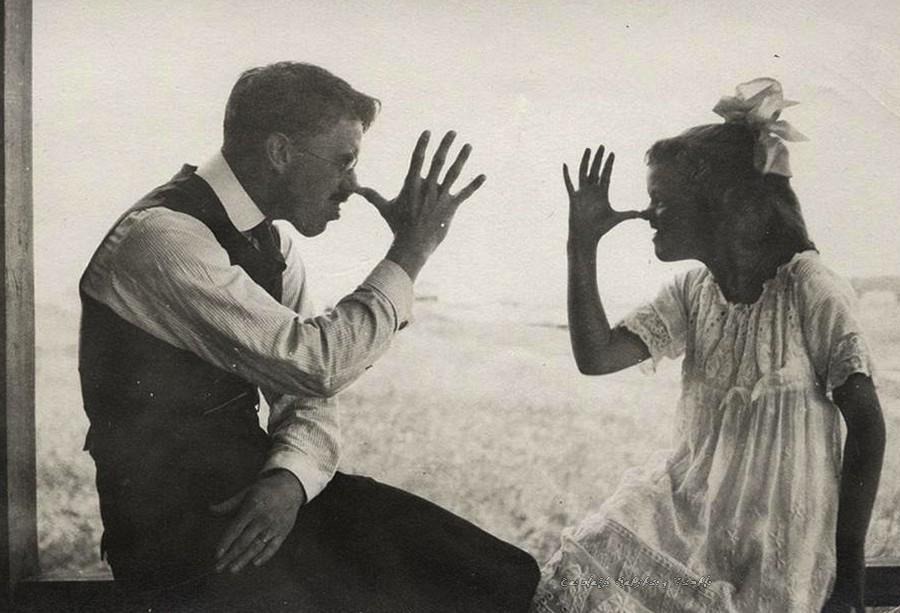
834	337
850	355
661	323
649	326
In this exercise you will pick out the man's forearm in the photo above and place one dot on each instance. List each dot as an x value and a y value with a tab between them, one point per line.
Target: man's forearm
287	482
189	295
305	434
408	258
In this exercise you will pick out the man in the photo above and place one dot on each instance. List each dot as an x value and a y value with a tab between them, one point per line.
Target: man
192	302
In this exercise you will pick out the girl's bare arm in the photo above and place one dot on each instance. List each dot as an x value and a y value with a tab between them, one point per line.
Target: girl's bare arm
597	349
863	455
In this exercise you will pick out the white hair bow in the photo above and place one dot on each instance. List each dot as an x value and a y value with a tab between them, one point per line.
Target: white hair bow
758	103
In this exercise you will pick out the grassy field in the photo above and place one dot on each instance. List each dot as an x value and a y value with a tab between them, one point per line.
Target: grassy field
479	410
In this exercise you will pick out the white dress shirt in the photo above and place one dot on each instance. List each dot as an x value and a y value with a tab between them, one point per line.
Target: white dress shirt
164	272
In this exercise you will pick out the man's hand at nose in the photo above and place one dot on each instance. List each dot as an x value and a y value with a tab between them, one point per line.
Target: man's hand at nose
421	213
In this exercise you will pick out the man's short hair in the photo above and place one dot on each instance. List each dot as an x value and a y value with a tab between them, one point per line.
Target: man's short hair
297	99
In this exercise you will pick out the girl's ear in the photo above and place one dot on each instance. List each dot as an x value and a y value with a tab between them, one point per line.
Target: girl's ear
746	214
699	171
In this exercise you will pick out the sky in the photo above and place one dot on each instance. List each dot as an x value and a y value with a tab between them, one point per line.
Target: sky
125	92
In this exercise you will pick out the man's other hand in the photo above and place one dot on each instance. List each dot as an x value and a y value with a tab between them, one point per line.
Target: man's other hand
421	213
265	514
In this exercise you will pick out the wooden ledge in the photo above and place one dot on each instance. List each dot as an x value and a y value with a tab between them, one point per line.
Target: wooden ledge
100	593
68	593
883	583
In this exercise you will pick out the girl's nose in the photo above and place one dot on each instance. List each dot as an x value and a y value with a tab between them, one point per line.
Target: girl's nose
653	213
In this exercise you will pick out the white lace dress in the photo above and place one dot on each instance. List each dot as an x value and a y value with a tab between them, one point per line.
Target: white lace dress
741	516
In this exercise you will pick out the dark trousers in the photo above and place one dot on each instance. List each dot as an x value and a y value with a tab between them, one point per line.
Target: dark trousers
360	546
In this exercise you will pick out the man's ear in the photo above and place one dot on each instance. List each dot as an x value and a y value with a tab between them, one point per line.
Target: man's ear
278	152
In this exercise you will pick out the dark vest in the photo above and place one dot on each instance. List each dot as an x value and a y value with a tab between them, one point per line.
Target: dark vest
170	433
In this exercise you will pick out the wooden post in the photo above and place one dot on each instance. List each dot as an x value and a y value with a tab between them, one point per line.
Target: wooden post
18	507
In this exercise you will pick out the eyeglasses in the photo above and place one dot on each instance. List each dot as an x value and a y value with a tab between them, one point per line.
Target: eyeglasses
344	166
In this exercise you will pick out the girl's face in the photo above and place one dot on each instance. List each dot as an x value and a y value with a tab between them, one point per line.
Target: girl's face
678	216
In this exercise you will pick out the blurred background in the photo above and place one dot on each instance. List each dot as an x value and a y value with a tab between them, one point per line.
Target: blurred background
478	405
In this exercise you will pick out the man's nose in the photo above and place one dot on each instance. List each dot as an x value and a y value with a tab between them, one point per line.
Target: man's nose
349	182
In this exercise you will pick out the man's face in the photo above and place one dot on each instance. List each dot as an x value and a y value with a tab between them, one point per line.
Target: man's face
318	178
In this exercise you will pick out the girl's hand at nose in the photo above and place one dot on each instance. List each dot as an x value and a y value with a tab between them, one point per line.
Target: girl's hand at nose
590	214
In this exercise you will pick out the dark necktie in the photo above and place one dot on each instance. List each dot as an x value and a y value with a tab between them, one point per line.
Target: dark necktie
266	269
264	240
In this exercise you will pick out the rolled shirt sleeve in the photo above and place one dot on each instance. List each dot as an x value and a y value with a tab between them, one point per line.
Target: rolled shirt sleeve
305	435
164	272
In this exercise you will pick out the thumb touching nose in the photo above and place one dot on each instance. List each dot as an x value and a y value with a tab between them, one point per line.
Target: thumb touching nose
372	196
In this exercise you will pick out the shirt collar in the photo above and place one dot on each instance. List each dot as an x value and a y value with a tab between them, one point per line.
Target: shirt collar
239	207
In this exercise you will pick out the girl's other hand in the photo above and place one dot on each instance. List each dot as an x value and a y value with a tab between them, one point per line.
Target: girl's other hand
833	606
847	594
590	214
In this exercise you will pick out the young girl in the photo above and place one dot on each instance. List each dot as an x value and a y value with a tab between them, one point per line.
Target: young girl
754	511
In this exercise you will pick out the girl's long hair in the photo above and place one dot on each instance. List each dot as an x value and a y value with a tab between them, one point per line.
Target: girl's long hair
718	159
